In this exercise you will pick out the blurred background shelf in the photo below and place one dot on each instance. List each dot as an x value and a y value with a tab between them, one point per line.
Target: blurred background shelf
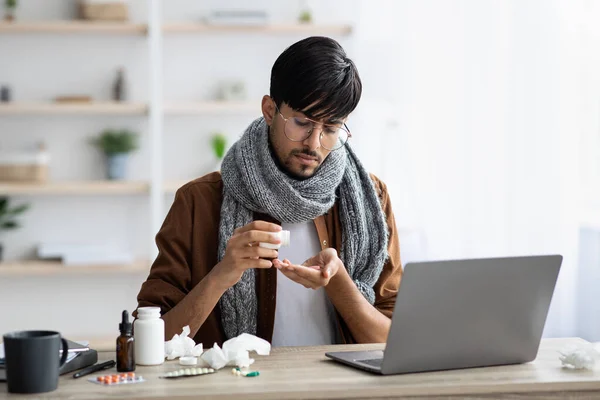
75	188
68	27
211	107
94	108
42	267
120	28
305	29
113	108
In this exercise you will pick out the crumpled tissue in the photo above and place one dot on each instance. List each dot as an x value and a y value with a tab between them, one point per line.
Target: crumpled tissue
182	346
236	351
582	356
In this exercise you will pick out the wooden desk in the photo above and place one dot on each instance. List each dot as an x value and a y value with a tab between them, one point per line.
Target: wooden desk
306	373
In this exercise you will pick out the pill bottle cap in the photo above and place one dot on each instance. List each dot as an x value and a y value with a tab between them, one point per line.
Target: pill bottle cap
285	238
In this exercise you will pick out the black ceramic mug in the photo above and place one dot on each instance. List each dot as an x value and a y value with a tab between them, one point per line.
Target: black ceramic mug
33	360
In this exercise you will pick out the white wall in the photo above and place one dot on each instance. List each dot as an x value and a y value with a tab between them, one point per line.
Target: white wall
479	109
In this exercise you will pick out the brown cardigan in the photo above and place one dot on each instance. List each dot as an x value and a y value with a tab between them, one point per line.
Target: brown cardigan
188	243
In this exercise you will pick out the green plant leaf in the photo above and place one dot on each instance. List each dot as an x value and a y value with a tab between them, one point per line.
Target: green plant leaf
10	225
305	16
7	213
219	143
117	141
19	209
3	205
11	3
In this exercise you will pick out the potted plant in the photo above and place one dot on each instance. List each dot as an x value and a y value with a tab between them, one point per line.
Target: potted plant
8	216
10	6
305	16
116	144
219	144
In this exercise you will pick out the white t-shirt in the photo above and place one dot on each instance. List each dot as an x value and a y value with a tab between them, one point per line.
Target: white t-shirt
303	317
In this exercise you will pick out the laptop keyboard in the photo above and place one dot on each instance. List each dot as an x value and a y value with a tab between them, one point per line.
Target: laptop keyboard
375	362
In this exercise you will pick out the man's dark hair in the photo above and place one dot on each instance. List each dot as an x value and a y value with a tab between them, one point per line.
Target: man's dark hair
316	77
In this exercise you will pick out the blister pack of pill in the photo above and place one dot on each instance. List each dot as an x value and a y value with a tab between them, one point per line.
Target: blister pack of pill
117	379
187	372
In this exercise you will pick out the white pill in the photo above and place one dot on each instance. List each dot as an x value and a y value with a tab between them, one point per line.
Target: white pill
188	360
211	370
205	370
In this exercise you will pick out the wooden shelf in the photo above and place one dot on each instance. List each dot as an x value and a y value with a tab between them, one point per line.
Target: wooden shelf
44	268
94	108
75	188
212	107
112	108
124	28
75	26
306	29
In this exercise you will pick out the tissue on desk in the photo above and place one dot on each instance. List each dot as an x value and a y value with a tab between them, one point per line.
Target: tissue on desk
583	356
236	351
182	345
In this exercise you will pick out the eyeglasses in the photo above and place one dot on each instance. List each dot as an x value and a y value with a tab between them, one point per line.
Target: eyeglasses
298	129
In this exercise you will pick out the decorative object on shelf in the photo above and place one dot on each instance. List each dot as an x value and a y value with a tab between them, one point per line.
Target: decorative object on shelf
10	7
305	16
219	145
7	217
94	11
116	145
5	95
119	86
233	91
73	99
25	166
237	18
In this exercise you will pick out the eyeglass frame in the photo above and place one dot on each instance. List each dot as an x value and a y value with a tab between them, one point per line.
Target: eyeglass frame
312	130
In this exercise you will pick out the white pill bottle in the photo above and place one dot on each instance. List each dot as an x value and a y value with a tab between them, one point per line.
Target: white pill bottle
149	335
284	236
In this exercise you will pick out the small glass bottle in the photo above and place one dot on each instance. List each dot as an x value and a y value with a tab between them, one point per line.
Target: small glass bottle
125	346
119	85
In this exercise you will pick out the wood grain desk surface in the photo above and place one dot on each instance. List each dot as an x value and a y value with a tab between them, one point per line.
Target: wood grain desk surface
306	373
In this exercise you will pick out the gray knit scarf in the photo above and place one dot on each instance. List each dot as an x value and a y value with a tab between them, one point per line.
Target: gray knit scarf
254	183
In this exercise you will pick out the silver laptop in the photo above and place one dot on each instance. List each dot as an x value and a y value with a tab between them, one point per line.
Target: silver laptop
464	314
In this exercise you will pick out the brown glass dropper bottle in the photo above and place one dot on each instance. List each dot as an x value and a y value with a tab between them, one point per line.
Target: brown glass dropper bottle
125	346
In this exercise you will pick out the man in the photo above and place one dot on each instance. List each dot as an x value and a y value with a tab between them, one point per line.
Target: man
292	169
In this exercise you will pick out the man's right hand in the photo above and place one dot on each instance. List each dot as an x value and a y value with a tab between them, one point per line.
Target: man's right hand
243	252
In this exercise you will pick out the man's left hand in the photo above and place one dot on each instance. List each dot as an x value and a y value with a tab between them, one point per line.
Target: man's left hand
315	272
